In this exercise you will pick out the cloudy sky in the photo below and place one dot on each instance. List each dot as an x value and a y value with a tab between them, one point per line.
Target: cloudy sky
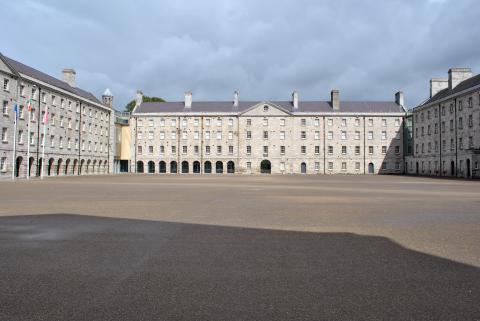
368	49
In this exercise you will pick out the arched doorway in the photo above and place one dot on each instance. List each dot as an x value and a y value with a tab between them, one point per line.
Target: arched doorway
207	168
417	169
151	167
31	160
230	167
184	167
82	164
452	168
219	167
265	167
139	167
162	167
59	166
18	166
303	168
67	163
468	167
88	168
173	167
50	166
94	165
105	167
74	168
39	169
371	168
196	167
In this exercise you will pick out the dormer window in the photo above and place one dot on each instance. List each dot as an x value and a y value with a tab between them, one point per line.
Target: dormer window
265	108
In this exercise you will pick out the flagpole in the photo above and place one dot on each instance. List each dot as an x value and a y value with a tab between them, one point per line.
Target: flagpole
14	164
28	140
45	119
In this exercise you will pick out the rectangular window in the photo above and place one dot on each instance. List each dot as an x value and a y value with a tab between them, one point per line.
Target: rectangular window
6	84
265	150
32	138
330	135
370	122
230	150
384	135
282	150
162	149
344	135
150	149
397	150
174	149
370	135
344	166
357	150
150	135
357	166
249	122
330	150
162	122
196	135
207	122
219	149
316	122
330	166
282	135
249	165
344	122
195	122
282	122
230	122
303	135
357	122
20	136
184	134
384	149
5	107
330	122
303	122
317	135
230	135
303	149
3	164
4	135
357	135
139	150
196	149
370	150
219	135
317	150
52	141
207	150
173	135
249	134
173	122
184	123
249	150
184	149
219	122
265	122
344	150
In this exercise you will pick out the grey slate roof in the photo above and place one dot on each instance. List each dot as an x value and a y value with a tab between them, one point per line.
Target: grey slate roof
34	73
464	85
303	106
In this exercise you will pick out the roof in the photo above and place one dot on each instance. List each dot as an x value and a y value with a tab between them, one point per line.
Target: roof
303	106
464	85
107	93
34	73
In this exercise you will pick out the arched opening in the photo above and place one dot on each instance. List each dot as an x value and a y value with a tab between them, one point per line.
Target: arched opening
468	168
50	167
74	168
417	169
88	167
230	167
406	167
219	167
151	167
59	166
303	168
94	166
371	168
105	166
173	167
162	167
31	160
184	167
207	167
139	167
67	163
39	169
18	166
452	168
82	165
196	167
265	167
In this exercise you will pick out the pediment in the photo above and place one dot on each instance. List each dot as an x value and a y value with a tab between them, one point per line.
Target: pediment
265	109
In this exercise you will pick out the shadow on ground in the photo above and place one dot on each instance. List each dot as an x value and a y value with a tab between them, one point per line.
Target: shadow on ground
69	267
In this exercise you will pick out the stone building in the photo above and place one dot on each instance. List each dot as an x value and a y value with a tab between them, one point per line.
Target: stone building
77	139
281	137
446	128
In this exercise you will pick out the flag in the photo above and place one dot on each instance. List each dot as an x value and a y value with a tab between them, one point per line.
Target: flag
15	109
45	115
29	105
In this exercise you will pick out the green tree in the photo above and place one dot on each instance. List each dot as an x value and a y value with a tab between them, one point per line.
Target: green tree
146	99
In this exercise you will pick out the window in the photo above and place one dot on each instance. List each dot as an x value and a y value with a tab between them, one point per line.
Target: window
460	143
265	150
249	165
69	123
470	142
207	122
3	164
150	134
22	90
4	135
174	149
184	134
451	109
451	125
357	166
443	110
219	135
370	122
460	123
52	141
317	166
196	149
249	122
265	108
370	150
265	122
219	149
5	107
357	122
317	150
384	135
162	149
230	122
317	135
344	150
397	122
303	135
230	135
316	122
207	150
344	166
344	122
173	122
184	149
282	150
20	136
196	135
76	143
303	122
357	135
162	135
207	135
162	122
249	149
195	122
330	166
384	165
184	123
460	105
139	150
6	84
32	138
370	135
230	150
282	166
330	122
344	135
384	122
21	112
357	150
330	135
470	121
173	134
249	134
219	122
282	122
397	149
282	135
384	149
330	150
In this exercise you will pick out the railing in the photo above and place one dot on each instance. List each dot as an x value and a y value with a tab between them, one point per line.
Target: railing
122	118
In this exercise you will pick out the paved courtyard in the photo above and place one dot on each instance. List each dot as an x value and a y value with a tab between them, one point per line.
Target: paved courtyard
152	247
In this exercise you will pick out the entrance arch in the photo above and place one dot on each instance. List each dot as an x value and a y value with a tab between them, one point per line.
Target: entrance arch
139	167
230	167
50	165
162	167
75	165
207	169
173	167
371	168
151	167
184	167
59	166
67	163
219	167
265	167
303	168
31	160
18	165
196	167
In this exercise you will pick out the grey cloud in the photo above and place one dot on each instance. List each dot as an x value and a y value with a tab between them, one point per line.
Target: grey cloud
368	49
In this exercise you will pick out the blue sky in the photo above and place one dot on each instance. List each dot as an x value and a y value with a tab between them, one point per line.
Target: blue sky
265	49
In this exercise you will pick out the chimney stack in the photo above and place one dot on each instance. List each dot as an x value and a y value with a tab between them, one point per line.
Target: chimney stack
188	99
235	99
295	99
69	76
107	98
335	99
457	75
400	98
436	85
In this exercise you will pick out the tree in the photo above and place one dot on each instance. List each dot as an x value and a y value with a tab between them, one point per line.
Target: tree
146	99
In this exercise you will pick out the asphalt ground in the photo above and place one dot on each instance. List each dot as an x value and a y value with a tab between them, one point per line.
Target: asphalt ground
240	248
